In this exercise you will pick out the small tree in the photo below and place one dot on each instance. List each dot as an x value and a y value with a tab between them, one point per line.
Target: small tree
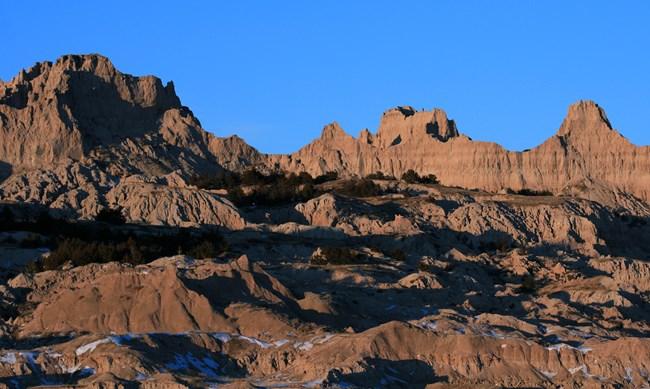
111	216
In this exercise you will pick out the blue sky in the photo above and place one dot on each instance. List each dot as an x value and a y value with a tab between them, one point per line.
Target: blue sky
276	72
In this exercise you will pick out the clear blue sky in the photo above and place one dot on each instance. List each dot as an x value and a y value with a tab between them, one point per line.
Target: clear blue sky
275	72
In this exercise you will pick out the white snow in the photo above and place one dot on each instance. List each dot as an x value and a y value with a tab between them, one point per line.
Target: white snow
313	384
548	374
559	346
9	358
574	370
91	346
428	325
223	337
281	342
255	341
628	375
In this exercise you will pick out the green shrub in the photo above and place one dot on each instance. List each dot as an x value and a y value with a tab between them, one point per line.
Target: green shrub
411	177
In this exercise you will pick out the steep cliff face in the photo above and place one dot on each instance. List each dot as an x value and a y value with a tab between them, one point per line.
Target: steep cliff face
82	107
585	149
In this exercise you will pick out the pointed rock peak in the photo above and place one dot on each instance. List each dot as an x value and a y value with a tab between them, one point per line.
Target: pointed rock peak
332	131
585	117
365	136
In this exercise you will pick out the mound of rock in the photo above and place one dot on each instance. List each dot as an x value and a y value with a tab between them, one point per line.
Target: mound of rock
169	295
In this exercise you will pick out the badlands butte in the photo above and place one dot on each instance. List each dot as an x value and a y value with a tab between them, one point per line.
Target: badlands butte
139	250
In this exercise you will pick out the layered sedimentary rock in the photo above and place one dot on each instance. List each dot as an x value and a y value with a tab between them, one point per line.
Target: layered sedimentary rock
82	107
585	151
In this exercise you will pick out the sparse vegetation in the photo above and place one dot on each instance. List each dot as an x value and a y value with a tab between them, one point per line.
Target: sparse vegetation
329	176
359	188
412	177
32	241
111	216
398	255
380	176
529	192
528	284
133	249
221	180
336	256
263	189
84	242
281	192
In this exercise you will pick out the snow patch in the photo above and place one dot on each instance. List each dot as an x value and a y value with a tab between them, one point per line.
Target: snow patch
557	347
206	366
9	358
91	346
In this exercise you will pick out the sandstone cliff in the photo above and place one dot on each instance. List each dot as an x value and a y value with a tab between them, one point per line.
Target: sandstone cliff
82	107
585	151
80	116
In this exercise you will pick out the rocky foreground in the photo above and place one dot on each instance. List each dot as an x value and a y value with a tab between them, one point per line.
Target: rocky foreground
138	250
435	286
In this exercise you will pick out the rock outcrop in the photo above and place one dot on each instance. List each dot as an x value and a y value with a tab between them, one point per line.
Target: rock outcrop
82	107
169	295
585	149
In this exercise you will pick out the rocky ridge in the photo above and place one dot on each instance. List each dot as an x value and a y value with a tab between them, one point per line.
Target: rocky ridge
407	285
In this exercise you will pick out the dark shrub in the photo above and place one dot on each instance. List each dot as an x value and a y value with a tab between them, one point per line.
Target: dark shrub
278	189
528	284
411	177
379	176
79	253
33	267
424	266
329	176
111	216
336	256
33	241
252	177
134	249
221	180
46	223
398	255
207	249
359	188
7	219
529	192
